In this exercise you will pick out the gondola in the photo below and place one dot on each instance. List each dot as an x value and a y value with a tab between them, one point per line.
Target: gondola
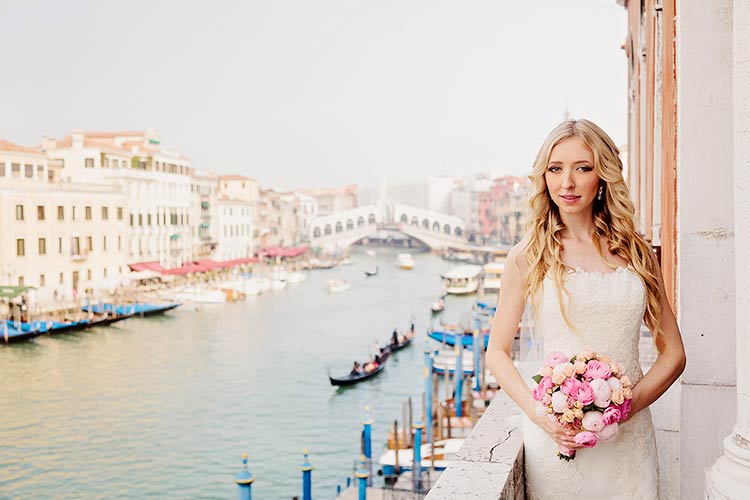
353	379
398	347
371	272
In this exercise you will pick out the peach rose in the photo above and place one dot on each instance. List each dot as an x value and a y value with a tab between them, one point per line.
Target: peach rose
618	397
579	367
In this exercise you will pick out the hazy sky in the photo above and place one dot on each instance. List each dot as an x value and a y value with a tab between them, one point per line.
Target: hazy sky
317	92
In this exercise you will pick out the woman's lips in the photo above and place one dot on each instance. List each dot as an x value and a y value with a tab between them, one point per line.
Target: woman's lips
570	198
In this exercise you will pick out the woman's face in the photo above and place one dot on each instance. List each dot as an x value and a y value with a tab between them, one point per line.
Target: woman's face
570	177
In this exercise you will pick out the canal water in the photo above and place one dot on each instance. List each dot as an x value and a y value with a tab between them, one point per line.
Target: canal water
163	407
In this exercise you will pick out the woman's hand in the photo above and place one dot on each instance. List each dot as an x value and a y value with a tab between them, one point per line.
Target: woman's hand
560	434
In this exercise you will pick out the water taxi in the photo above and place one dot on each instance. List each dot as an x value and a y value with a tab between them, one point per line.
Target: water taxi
493	272
462	279
405	261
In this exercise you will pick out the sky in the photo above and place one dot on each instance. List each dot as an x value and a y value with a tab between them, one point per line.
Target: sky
314	93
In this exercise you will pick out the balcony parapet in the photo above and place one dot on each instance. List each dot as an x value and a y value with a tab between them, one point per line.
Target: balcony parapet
489	466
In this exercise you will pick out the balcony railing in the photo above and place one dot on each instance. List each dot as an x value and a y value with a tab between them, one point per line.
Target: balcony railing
489	466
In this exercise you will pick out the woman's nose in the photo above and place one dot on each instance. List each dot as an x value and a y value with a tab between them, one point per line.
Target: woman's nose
567	180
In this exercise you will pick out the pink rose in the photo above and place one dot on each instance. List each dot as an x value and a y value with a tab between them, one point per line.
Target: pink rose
537	393
624	409
546	400
597	370
555	358
570	385
609	432
584	393
611	415
602	392
586	439
546	383
593	421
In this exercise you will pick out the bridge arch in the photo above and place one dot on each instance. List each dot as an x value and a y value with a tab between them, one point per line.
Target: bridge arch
349	224
436	226
316	232
339	227
360	221
327	231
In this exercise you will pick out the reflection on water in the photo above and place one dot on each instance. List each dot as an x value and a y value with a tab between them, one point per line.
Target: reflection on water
164	406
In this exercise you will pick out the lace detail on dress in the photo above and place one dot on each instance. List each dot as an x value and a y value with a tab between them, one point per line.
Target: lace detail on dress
606	310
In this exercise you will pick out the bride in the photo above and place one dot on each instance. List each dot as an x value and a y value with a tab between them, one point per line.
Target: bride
591	280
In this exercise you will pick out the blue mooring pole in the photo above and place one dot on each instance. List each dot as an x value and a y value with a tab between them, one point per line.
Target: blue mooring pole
367	422
306	469
244	480
417	468
428	394
478	337
459	379
362	474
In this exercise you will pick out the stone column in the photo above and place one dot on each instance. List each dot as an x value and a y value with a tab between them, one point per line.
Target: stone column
729	478
705	236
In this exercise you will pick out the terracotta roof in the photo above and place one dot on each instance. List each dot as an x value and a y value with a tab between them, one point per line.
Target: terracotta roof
115	134
9	146
234	177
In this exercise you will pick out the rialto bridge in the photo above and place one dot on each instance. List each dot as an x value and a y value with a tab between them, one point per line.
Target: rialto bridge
343	229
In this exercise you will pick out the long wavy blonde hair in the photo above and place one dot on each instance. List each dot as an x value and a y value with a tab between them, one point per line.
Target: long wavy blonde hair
614	220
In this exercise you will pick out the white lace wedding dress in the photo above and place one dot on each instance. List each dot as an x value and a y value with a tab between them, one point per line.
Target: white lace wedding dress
607	310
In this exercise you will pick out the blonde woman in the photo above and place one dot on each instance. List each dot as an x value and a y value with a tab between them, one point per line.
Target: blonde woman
591	281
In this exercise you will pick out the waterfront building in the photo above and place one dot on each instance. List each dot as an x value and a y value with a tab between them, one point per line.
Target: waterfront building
288	230
240	187
234	221
60	237
204	186
307	210
155	181
508	195
334	200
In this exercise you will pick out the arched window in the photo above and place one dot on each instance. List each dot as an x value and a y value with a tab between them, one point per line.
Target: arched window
425	224
458	231
404	218
371	219
339	227
447	229
327	230
316	232
414	221
360	221
436	226
349	224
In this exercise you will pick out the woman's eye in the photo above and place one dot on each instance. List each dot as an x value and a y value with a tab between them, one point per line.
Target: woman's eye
586	168
553	169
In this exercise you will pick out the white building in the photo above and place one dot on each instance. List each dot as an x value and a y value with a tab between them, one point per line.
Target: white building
155	181
57	236
204	186
234	222
307	210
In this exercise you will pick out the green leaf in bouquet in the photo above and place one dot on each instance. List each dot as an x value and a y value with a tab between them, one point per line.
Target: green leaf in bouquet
537	378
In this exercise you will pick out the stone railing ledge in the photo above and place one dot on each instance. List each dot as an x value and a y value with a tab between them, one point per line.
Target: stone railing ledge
489	465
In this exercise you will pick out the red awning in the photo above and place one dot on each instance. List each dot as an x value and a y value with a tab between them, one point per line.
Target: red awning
148	266
284	251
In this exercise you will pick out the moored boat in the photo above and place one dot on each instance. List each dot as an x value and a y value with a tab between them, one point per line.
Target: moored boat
462	279
449	338
445	452
493	272
438	306
372	272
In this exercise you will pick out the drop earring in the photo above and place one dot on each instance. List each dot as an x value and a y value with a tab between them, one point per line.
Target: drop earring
601	193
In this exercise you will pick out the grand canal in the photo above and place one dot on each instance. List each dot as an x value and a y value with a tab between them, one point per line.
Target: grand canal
164	407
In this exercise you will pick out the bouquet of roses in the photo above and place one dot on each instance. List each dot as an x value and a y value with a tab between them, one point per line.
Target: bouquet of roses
587	393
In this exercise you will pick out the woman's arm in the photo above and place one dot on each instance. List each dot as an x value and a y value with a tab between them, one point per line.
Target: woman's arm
510	307
670	363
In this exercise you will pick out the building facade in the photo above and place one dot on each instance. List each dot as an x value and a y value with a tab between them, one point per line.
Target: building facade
62	238
155	181
688	150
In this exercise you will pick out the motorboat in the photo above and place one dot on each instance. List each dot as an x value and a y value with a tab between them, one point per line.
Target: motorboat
201	295
336	286
405	261
493	272
462	280
372	272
